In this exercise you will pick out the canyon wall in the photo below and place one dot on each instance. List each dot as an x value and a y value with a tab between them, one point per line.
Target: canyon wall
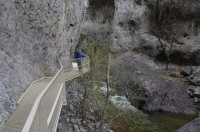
133	29
34	35
136	29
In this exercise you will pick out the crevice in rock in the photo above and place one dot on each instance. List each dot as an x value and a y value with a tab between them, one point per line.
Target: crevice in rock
101	11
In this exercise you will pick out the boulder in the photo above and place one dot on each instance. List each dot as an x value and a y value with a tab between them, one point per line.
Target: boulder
193	126
197	92
97	125
82	130
76	129
197	71
186	71
190	92
91	118
196	81
136	76
73	121
175	74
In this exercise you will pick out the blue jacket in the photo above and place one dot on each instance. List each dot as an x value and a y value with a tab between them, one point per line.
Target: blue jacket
79	55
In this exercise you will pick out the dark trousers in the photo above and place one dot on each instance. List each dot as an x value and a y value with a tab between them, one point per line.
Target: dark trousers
79	63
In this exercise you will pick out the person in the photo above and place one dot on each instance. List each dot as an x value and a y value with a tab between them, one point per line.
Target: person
79	56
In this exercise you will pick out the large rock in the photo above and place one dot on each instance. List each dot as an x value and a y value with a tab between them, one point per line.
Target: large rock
139	77
193	126
34	35
186	71
134	22
196	81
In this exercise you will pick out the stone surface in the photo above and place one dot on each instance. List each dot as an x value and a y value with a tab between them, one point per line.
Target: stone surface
84	123
142	78
134	22
76	129
196	81
73	121
193	126
74	97
34	35
91	118
197	91
186	71
82	130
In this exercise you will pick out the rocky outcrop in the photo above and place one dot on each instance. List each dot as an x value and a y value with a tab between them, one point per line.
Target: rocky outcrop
193	126
134	22
101	11
141	78
34	35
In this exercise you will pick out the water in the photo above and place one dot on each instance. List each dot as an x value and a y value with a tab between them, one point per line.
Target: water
156	121
122	103
162	122
168	122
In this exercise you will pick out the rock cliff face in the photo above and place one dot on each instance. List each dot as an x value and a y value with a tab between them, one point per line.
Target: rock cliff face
34	35
136	29
134	22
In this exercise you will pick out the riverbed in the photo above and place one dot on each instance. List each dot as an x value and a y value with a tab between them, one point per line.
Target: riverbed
161	121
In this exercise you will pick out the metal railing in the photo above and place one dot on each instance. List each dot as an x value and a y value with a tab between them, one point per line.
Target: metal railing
45	112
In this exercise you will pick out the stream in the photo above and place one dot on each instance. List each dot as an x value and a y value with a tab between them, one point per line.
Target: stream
165	122
169	122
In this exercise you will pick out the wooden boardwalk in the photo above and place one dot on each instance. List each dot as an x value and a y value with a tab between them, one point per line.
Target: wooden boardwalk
19	117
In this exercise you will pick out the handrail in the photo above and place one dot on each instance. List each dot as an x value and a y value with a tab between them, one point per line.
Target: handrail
75	68
28	89
31	117
86	56
37	102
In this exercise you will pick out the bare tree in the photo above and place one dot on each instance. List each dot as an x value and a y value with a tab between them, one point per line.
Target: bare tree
166	52
107	94
107	113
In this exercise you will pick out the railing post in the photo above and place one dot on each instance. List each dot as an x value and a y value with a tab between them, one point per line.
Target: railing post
42	117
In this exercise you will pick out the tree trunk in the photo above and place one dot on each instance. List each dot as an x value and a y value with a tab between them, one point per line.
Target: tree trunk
107	94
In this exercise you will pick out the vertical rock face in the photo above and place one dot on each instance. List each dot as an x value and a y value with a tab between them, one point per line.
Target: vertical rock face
34	35
129	20
99	15
134	22
101	11
97	23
